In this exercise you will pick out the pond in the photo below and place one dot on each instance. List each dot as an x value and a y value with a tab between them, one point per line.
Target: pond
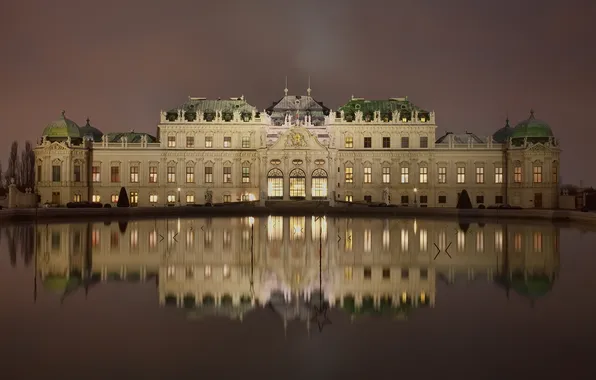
308	296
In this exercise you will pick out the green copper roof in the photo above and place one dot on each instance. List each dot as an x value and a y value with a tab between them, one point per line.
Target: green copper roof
385	106
226	106
503	134
88	130
62	128
132	137
532	127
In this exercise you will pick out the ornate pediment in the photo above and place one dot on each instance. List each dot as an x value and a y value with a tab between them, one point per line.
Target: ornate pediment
58	146
538	148
297	137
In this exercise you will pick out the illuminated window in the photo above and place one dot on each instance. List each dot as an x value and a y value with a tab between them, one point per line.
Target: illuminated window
227	273
114	198
171	141
423	175
190	174
479	241
349	174
95	198
367	240
442	175
208	141
153	174
368	174
517	174
297	184
227	142
405	175
171	198
386	171
348	273
208	174
499	175
190	198
461	174
77	198
227	198
115	174
171	272
319	183
246	174
96	175
227	174
171	174
153	198
479	175
134	174
134	198
348	240
207	271
537	174
190	141
349	142
349	198
246	141
275	184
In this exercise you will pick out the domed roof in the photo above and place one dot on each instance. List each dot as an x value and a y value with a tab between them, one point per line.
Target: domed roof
503	134
62	128
89	130
532	127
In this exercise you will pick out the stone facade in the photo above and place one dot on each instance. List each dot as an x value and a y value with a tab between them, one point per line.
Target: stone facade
368	151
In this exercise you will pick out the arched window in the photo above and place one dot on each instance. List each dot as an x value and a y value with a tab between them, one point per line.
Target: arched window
275	184
297	184
319	184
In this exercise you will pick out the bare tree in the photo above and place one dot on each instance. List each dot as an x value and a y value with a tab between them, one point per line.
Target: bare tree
1	177
13	163
27	167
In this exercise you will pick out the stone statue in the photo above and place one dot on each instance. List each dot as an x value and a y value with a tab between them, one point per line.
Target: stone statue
208	196
68	141
386	196
358	116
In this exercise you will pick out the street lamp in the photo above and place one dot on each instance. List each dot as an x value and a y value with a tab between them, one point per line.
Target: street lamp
415	199
178	196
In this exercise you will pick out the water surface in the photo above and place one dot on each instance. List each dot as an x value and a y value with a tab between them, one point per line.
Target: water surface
231	298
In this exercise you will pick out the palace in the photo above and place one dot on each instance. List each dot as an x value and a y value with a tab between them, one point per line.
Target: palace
228	267
224	150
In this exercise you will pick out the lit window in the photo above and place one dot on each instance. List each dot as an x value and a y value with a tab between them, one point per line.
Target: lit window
134	174
96	198
227	174
171	174
209	174
349	198
190	198
349	174
461	174
153	198
190	141
77	198
227	142
208	271
405	175
246	141
134	198
115	174
114	198
537	174
368	174
442	177
190	174
517	174
226	271
245	174
349	142
498	175
96	175
171	198
423	240
479	175
386	175
208	141
348	273
227	198
171	141
153	174
423	175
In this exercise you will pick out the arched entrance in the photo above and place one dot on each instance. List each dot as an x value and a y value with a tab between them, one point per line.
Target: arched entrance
275	184
297	184
319	184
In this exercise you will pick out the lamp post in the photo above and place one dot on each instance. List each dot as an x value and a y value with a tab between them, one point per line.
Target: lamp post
178	196
251	221
415	198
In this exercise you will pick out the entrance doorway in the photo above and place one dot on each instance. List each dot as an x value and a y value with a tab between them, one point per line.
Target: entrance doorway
275	184
538	200
55	197
319	184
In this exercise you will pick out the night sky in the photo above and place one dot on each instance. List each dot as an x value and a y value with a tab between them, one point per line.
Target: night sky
473	62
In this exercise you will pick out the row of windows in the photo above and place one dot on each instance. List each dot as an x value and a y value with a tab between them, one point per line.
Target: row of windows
190	142
423	199
442	175
153	198
386	142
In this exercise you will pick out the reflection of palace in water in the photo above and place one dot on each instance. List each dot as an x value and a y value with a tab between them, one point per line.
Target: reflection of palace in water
229	266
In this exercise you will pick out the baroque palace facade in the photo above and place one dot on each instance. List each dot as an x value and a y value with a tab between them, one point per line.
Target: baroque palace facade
228	267
219	151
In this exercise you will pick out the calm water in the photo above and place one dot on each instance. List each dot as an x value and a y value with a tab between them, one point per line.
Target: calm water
231	298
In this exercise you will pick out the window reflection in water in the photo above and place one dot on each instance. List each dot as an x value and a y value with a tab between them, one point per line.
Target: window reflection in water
479	241
318	224
275	228
517	242
208	239
152	239
423	240
386	235
498	240
405	240
297	227
348	240
96	238
227	239
190	238
114	239
442	243
367	240
134	238
537	242
461	241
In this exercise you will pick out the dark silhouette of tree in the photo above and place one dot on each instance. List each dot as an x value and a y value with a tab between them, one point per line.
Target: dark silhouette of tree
122	226
1	176
13	164
12	245
464	227
123	198
464	200
27	167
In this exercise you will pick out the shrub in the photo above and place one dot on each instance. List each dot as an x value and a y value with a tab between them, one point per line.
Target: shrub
107	205
481	207
464	200
123	198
